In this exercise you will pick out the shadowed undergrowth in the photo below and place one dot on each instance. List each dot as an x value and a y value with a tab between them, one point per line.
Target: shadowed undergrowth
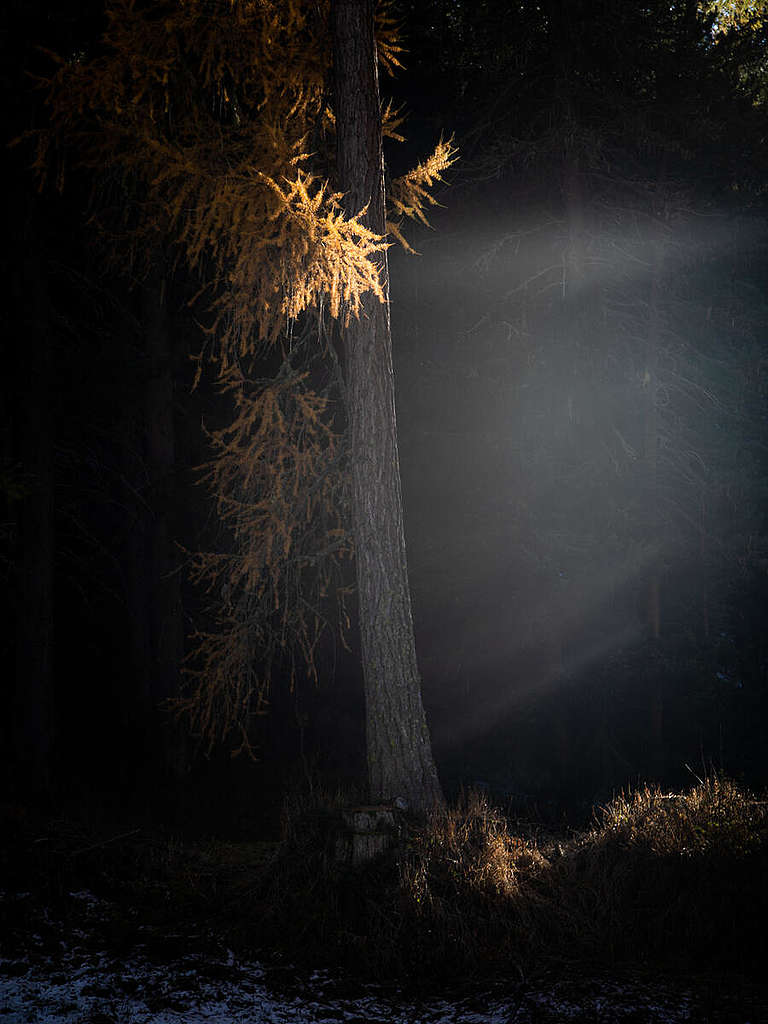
659	880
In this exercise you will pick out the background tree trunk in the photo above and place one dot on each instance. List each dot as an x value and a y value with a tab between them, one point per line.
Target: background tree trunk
34	557
399	752
653	513
164	610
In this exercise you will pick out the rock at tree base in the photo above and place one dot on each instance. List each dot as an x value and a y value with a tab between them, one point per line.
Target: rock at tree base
366	832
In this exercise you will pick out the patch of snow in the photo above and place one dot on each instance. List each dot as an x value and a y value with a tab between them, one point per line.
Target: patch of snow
83	986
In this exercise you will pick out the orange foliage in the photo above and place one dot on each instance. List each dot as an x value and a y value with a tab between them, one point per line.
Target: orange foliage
278	474
213	116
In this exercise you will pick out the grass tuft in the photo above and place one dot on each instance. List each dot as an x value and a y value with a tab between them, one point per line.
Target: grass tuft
673	880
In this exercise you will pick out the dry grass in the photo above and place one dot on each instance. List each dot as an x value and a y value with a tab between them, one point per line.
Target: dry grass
659	880
460	881
672	878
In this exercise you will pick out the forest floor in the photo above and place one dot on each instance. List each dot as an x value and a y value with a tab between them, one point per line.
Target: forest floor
134	925
82	965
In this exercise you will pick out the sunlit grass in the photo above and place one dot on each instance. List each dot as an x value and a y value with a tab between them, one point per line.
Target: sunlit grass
714	817
673	880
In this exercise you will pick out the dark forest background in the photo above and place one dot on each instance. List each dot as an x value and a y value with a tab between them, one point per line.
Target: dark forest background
581	366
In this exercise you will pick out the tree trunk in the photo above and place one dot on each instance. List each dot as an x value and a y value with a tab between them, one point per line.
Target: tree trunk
651	469
400	762
34	561
166	627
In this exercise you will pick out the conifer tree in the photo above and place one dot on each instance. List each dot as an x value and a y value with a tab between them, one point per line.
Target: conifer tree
214	117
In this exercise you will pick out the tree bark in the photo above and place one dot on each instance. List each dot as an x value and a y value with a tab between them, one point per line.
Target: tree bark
655	529
152	585
166	626
400	762
34	561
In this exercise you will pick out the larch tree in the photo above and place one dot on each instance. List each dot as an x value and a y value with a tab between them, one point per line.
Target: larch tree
215	118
